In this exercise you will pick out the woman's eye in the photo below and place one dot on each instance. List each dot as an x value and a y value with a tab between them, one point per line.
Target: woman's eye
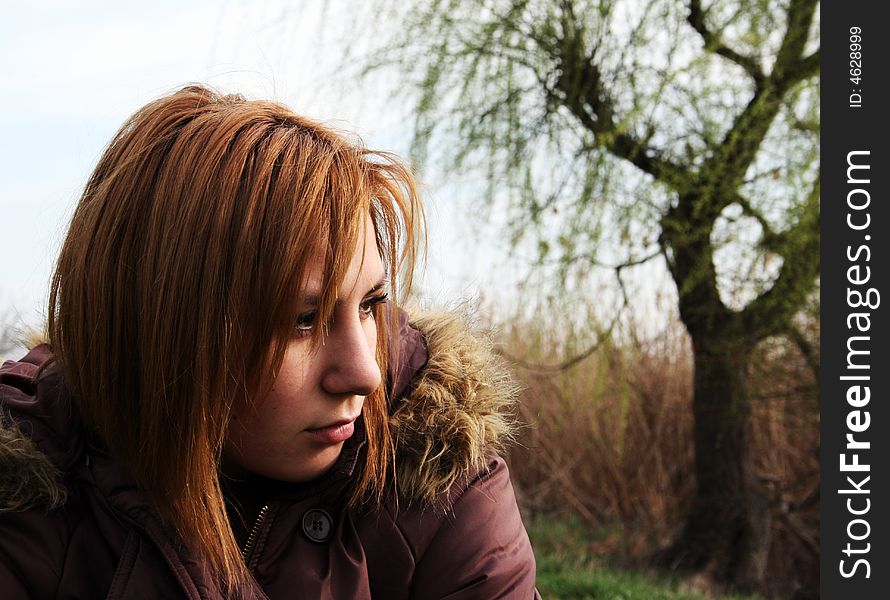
366	308
305	323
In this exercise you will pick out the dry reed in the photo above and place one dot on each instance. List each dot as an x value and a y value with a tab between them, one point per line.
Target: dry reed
610	441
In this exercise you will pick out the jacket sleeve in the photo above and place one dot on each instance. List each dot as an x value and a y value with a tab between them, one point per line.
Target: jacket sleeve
481	548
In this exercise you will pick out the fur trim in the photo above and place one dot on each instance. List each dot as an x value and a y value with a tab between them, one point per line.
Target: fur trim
458	409
28	479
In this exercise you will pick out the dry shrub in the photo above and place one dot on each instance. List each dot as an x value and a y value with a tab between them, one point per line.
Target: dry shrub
610	440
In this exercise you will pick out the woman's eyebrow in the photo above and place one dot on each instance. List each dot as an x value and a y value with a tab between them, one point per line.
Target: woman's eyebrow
312	298
378	286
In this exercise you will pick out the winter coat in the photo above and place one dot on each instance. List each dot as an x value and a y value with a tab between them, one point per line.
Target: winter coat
73	525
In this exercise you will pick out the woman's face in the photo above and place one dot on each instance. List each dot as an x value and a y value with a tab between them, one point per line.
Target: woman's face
297	431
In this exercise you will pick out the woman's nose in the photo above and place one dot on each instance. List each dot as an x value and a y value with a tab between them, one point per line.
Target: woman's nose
350	350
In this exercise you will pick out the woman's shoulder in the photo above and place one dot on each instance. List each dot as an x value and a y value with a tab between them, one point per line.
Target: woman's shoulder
48	529
41	517
469	542
486	491
58	534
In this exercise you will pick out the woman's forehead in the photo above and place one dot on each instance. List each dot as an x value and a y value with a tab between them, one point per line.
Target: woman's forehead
365	272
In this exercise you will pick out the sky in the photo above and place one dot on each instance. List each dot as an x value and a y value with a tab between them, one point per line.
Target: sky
73	71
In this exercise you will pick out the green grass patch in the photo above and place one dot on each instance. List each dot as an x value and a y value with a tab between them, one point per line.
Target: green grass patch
568	569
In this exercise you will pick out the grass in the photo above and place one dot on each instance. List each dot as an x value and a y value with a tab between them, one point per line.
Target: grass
567	570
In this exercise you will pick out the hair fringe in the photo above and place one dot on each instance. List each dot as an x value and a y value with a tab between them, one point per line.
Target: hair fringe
173	297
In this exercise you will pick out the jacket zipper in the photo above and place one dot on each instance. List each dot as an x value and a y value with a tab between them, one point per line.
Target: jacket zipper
254	532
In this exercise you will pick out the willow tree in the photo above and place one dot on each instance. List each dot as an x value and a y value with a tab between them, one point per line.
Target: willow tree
616	133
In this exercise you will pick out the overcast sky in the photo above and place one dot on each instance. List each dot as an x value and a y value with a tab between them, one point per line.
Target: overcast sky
73	71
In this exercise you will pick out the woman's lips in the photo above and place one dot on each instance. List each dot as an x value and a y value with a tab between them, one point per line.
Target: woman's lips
333	434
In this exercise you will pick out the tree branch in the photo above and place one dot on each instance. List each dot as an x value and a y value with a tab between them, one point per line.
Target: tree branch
579	88
747	208
771	311
568	363
802	69
790	67
714	44
725	169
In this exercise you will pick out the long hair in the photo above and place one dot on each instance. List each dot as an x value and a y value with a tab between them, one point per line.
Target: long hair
174	296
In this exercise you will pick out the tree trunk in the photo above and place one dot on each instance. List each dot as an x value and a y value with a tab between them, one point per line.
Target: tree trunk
726	534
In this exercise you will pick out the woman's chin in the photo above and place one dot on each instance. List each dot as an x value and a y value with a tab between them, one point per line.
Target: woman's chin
310	465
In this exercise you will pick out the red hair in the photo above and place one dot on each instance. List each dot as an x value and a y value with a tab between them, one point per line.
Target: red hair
174	295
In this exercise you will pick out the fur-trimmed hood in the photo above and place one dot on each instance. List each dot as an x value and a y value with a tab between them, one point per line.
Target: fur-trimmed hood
452	404
458	408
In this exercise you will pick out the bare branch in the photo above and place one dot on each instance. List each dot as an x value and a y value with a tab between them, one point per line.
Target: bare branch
808	126
727	166
714	44
749	210
568	363
806	67
790	67
580	89
633	262
769	313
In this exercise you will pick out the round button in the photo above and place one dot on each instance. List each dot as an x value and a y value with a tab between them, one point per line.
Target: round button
317	525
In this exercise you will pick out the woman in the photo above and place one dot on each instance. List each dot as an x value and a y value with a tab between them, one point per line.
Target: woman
230	405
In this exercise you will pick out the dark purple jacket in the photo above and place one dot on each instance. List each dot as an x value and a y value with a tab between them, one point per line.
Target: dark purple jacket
72	525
